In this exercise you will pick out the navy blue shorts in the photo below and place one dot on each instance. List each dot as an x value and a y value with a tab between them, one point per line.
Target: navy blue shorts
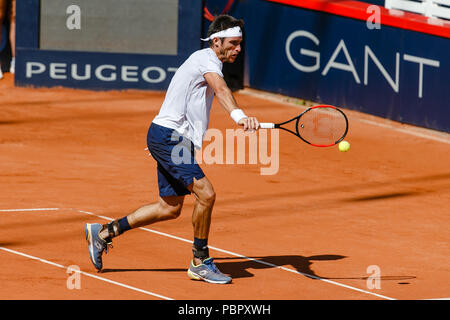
175	156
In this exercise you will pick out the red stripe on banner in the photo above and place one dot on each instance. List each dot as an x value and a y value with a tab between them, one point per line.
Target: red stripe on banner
227	6
358	10
210	17
208	14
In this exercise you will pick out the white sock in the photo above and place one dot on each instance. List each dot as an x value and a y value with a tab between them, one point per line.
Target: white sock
12	68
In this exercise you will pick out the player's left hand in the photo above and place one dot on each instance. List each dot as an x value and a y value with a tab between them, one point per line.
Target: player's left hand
250	124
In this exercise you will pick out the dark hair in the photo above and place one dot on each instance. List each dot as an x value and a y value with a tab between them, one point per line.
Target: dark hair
223	22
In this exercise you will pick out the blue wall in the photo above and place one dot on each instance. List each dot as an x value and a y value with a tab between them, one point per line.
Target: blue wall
389	72
354	81
99	70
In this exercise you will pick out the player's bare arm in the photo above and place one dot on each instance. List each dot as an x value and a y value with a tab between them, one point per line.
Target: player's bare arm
227	101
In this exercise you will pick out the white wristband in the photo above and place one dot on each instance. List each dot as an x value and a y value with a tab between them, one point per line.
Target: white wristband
237	115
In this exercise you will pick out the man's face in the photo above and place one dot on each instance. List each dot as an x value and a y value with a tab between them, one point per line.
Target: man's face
228	48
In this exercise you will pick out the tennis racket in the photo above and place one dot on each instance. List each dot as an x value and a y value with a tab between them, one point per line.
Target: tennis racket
319	126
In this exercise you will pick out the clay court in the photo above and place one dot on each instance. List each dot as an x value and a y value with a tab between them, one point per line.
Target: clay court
308	232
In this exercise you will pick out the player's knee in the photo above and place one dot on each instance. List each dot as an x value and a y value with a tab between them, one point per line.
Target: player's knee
173	213
208	197
169	212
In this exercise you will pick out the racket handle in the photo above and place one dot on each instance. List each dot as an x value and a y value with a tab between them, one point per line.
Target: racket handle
266	125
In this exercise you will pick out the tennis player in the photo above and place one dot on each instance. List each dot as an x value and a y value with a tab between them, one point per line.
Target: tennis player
8	11
180	125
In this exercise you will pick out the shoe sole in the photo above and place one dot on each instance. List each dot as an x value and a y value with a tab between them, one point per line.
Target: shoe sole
195	276
88	235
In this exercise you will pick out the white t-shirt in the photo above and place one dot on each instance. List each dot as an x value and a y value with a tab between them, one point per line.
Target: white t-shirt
188	100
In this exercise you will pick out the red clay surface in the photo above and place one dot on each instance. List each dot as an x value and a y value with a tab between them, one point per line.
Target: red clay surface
325	213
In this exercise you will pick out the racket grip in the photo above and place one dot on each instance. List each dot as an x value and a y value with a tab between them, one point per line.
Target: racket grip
266	125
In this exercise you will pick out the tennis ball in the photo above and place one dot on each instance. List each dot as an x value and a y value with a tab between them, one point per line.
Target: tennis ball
344	146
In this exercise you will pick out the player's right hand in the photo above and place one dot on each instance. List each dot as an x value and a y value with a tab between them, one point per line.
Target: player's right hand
250	124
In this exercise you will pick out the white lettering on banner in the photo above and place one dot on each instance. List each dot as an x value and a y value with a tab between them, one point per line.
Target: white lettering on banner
368	52
306	52
58	71
421	62
346	67
106	72
87	72
350	67
99	73
130	74
34	68
160	71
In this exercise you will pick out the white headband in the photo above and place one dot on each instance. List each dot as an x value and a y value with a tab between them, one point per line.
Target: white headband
230	32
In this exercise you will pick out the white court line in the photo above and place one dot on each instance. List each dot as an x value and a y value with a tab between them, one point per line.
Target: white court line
251	259
189	241
27	210
86	274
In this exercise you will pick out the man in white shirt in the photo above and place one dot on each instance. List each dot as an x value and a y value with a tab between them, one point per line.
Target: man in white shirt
182	121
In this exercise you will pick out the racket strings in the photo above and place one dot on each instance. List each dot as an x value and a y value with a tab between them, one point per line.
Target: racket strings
322	126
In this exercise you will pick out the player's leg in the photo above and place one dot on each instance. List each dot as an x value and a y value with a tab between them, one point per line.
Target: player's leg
172	178
166	208
100	236
12	35
202	266
3	9
3	15
201	216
